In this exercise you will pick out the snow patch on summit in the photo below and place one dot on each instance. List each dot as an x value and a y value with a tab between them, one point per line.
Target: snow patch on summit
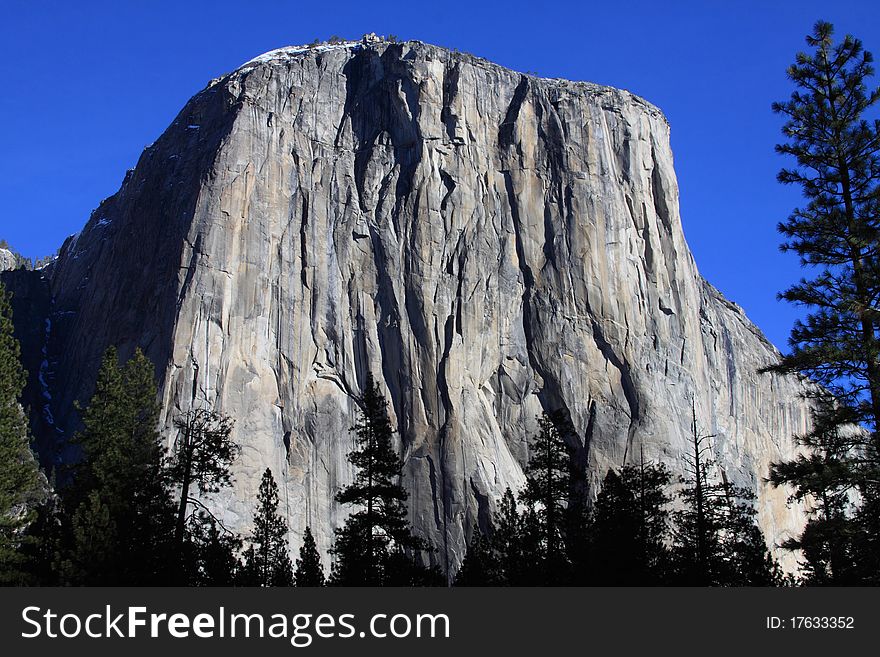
292	51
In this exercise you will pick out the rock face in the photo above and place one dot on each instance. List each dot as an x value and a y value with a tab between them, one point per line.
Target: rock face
488	244
7	260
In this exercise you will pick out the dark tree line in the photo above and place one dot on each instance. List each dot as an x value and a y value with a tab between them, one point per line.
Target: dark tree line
639	530
21	488
122	513
125	514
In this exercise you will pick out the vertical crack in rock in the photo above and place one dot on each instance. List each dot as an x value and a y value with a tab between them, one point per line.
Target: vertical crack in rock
450	120
528	278
664	214
449	184
507	129
304	242
434	493
483	519
195	252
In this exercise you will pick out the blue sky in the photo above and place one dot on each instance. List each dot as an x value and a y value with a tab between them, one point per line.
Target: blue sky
86	85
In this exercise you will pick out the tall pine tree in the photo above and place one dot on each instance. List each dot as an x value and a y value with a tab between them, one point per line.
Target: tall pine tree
716	541
309	571
122	514
480	565
629	528
201	457
376	546
267	560
209	553
697	546
546	493
513	546
20	483
837	167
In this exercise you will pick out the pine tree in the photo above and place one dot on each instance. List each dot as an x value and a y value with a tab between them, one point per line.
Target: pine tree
352	566
716	539
267	560
376	547
865	548
650	482
508	554
202	455
209	553
822	479
20	484
747	560
97	555
120	502
547	491
480	565
44	543
697	549
629	528
515	549
309	571
837	155
613	528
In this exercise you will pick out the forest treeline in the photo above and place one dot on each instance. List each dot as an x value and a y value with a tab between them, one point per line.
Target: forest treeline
129	512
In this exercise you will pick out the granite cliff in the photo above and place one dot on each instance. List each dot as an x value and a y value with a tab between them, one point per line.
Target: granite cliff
488	244
7	260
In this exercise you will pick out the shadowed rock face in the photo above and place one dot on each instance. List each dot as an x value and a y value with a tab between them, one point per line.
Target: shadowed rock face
487	244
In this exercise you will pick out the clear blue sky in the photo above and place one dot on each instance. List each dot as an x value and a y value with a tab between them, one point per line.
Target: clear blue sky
87	84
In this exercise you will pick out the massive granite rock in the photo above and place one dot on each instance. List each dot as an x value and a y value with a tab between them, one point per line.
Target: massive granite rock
488	244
